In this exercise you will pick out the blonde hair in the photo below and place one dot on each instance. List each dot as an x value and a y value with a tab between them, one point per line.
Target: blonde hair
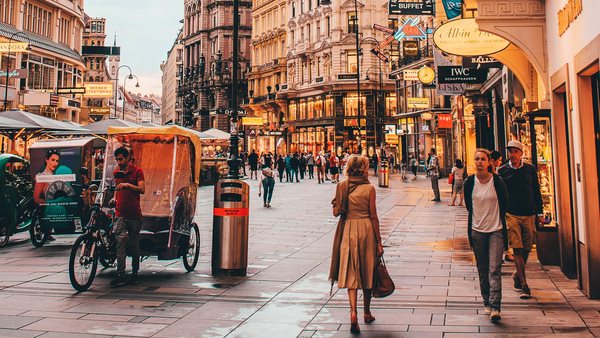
485	151
357	166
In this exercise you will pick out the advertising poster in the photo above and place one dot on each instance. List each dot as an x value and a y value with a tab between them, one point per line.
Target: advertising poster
56	192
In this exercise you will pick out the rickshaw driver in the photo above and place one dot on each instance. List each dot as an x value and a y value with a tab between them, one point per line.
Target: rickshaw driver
130	185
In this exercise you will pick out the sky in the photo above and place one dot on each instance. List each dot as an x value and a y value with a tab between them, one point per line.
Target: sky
146	30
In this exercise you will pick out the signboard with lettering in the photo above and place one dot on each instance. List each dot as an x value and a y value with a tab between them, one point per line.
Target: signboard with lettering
482	62
14	74
252	121
13	46
410	75
411	7
463	37
417	102
410	48
453	8
444	121
98	89
348	76
100	110
410	29
70	90
458	74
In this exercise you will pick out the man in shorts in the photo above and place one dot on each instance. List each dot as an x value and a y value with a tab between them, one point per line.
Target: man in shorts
523	210
334	167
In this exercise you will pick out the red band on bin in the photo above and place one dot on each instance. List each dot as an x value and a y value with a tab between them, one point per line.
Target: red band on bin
230	212
383	171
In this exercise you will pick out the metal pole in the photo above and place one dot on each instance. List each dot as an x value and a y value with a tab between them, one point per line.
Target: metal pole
117	85
380	96
7	70
124	82
234	161
358	53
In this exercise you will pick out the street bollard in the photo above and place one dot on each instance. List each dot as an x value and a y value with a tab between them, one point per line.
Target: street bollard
230	228
384	174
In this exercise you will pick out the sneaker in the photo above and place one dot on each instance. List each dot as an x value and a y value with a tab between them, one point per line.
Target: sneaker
268	205
487	310
119	281
525	292
517	286
495	316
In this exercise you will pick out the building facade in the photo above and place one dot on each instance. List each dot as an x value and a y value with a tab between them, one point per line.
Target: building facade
172	70
95	56
269	71
54	30
321	86
208	61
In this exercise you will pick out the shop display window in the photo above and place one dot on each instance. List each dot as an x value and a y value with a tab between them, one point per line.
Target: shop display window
351	105
292	111
543	157
310	109
390	104
302	110
329	107
318	107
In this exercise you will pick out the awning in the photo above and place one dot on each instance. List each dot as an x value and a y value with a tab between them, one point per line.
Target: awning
217	134
7	124
40	121
68	143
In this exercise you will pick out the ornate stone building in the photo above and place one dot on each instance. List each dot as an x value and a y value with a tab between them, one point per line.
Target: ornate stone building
172	70
321	76
208	49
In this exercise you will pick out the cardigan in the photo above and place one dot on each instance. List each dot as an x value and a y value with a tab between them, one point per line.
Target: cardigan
501	194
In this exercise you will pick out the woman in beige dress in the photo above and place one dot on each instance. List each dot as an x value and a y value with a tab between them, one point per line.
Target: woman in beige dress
357	240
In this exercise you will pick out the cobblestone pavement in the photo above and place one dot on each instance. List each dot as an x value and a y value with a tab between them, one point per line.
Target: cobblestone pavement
286	292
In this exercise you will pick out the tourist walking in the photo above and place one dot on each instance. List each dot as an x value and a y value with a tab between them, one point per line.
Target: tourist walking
243	158
458	174
375	161
357	240
302	165
253	162
327	165
280	167
486	197
320	165
267	183
433	169
414	166
334	167
524	203
288	168
295	166
310	162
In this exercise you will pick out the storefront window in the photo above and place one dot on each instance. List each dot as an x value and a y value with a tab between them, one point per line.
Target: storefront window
329	107
351	105
310	109
302	110
318	106
292	111
390	104
11	81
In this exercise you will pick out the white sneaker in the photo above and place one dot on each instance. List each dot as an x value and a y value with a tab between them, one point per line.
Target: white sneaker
487	310
495	316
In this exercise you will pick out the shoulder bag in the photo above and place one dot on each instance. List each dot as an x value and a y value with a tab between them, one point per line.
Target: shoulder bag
383	285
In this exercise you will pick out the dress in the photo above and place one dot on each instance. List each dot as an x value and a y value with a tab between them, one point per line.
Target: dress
458	179
358	252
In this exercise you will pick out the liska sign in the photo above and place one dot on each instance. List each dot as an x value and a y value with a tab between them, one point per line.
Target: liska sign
463	37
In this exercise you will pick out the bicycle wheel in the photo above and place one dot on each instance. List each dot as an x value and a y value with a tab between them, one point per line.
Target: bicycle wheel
190	259
82	264
37	232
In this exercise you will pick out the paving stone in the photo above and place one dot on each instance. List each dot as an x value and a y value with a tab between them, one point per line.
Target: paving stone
95	327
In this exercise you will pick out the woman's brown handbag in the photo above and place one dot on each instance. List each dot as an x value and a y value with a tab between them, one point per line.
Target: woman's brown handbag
383	285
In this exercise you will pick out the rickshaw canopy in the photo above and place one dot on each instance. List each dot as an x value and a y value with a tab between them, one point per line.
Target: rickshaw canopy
68	143
193	135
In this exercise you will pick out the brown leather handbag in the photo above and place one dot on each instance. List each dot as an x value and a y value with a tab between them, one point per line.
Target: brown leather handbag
383	285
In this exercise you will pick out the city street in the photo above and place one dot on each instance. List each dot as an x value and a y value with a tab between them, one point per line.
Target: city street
286	292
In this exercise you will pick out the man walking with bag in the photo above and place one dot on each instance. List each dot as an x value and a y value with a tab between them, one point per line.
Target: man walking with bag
433	168
524	208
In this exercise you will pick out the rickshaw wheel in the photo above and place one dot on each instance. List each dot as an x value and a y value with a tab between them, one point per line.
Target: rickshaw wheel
190	258
37	233
82	267
4	236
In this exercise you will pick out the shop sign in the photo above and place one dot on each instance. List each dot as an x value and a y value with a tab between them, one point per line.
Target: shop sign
390	129
414	7
458	74
70	90
568	14
348	76
252	121
480	62
391	138
14	47
410	29
444	121
463	37
101	110
451	88
98	89
426	116
410	48
14	74
425	127
410	75
453	8
417	102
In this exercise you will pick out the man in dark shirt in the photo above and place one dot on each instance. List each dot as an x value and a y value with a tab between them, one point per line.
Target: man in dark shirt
253	162
130	185
524	203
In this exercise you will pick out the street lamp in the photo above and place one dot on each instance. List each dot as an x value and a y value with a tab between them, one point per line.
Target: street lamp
234	161
117	85
358	53
8	63
137	85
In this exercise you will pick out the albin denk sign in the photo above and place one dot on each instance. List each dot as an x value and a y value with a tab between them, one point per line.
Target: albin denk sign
463	37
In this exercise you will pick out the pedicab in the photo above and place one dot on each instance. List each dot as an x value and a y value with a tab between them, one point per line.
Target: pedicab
16	197
64	172
170	159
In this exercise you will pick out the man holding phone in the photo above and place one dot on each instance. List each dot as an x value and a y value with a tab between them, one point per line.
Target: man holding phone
130	185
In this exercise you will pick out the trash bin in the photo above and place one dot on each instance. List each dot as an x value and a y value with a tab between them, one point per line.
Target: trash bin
547	245
230	228
384	174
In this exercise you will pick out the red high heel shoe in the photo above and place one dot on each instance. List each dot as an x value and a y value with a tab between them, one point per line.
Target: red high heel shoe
369	318
354	328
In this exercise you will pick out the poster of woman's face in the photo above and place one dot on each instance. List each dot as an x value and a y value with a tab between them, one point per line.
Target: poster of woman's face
52	160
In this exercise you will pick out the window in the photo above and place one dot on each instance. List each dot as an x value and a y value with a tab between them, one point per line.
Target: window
6	11
293	9
352	22
352	62
308	31
318	30
309	5
393	24
215	20
318	66
328	20
301	6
